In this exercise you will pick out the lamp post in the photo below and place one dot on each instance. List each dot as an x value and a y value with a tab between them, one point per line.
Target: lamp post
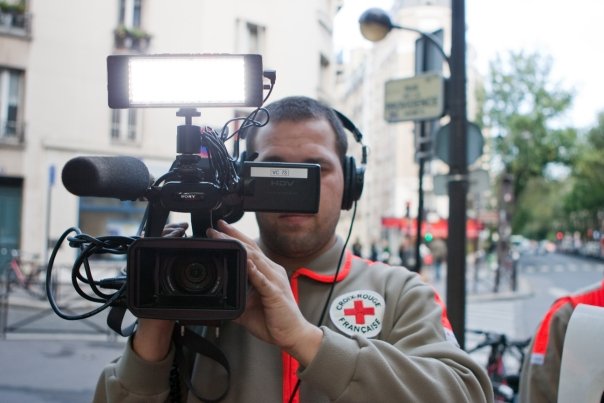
375	24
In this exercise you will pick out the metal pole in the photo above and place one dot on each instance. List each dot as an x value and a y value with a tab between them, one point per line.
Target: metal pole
456	240
420	205
429	56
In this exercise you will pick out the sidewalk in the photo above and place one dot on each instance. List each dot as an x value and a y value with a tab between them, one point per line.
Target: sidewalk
49	370
47	359
488	310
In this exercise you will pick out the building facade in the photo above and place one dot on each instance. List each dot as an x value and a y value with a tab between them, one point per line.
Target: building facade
53	102
53	94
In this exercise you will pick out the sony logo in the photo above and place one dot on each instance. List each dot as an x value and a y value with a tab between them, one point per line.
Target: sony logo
190	196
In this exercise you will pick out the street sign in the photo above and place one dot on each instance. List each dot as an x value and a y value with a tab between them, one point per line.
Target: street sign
474	143
415	98
478	181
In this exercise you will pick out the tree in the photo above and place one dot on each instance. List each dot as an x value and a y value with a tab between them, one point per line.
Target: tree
585	202
523	108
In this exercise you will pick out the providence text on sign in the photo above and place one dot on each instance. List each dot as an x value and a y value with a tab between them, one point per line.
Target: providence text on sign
415	98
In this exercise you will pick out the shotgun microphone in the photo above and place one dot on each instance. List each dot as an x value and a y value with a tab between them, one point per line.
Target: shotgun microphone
124	178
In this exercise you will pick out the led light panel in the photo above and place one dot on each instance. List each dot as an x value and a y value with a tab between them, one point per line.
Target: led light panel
184	80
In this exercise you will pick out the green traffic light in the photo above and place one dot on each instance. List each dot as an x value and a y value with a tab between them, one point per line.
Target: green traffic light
428	237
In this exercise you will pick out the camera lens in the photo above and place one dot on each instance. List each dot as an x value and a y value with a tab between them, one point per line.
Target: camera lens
194	276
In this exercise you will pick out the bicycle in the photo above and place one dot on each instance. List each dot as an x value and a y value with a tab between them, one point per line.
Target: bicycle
501	349
27	274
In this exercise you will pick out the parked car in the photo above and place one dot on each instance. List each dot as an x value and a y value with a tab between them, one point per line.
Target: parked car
520	244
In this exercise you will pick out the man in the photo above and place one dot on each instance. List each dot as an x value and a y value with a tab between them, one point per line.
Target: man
540	376
438	247
383	339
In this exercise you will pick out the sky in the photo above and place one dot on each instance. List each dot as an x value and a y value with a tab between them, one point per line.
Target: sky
570	31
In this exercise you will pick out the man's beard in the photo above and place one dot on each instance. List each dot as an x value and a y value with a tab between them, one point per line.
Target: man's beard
295	243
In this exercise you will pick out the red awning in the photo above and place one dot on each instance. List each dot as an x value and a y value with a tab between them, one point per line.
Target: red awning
439	229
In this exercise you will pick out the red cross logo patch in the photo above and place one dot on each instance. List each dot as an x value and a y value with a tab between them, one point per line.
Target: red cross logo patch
358	312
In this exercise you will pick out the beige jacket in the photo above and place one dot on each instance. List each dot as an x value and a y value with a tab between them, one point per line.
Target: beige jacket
385	340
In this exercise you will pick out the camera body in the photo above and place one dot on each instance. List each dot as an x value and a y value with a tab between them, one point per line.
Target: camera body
196	280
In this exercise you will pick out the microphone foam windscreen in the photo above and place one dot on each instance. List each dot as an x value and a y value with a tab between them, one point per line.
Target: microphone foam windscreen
124	178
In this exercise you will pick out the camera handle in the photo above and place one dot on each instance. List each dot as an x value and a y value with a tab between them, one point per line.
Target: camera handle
158	216
186	169
188	146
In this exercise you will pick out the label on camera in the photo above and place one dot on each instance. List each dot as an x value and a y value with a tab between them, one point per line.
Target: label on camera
278	172
359	312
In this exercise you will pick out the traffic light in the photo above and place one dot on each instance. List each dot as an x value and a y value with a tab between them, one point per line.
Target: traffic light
428	237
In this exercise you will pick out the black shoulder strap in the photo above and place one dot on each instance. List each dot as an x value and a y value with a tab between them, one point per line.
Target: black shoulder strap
182	337
115	319
185	337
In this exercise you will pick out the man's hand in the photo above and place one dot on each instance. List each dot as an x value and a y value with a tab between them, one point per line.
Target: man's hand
271	313
175	230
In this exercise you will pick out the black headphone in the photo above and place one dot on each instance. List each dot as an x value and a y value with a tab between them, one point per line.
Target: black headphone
354	177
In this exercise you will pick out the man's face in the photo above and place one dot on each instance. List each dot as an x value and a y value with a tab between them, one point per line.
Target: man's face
311	141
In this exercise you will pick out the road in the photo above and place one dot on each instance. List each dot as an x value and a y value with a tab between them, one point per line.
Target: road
551	276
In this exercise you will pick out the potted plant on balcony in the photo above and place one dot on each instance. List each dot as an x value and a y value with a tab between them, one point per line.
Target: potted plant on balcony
12	14
11	7
132	38
140	39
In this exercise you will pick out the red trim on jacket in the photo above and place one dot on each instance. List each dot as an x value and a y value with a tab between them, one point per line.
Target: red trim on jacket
444	319
593	297
290	365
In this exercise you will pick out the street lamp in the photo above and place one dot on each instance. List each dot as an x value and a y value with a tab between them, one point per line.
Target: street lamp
375	24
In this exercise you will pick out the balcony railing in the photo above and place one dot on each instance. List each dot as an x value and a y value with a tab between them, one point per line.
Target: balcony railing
12	132
14	22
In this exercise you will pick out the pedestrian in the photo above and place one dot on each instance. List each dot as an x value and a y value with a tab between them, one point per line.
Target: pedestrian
385	255
357	248
374	253
438	249
403	252
385	337
540	375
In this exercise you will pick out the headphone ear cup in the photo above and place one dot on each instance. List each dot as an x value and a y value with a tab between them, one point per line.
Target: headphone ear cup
351	192
359	182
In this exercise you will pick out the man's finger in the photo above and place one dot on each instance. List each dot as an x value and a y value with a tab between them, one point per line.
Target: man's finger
232	232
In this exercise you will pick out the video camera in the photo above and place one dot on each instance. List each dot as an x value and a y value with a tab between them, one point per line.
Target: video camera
188	279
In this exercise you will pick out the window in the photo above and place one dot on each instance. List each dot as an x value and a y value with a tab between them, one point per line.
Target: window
129	33
252	37
99	216
255	38
130	13
324	73
11	94
124	125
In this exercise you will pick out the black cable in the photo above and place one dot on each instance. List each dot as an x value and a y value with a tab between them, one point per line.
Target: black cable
88	246
331	288
247	121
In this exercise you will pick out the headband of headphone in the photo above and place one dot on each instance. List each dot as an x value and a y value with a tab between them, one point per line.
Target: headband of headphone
354	177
